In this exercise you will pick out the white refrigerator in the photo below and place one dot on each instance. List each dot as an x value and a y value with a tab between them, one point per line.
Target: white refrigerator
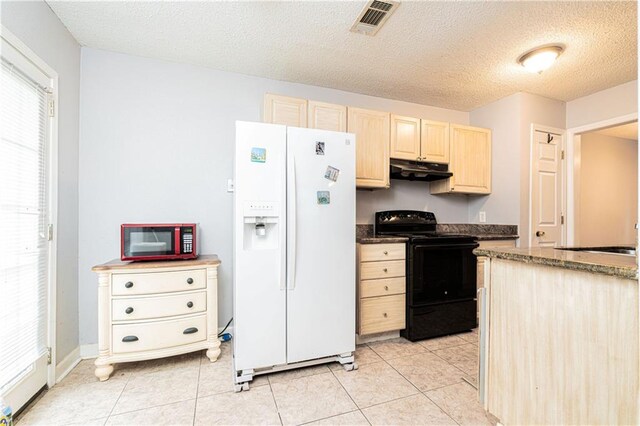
294	249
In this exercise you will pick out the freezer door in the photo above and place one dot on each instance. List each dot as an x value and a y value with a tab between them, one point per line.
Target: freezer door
259	284
320	243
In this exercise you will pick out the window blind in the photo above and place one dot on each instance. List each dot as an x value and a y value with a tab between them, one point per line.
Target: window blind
24	127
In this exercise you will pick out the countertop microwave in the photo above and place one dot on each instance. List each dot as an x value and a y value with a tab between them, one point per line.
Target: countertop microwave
158	241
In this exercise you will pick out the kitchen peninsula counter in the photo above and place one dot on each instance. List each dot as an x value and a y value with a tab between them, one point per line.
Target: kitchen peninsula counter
559	336
623	266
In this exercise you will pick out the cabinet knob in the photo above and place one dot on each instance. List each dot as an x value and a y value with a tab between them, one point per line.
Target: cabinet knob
128	339
385	269
128	310
384	315
128	284
385	252
189	280
189	304
190	330
386	287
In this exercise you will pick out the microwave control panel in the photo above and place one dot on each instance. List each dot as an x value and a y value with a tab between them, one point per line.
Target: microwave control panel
187	240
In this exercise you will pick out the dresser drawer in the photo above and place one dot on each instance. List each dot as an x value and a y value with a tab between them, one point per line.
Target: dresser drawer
382	287
158	334
137	308
376	252
378	314
158	282
390	269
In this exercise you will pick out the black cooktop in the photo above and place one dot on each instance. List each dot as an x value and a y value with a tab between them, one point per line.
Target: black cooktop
413	224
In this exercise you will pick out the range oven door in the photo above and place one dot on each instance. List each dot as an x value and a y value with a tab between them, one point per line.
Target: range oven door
157	242
438	273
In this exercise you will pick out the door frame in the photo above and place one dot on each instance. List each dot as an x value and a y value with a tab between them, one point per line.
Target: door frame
52	178
563	185
573	167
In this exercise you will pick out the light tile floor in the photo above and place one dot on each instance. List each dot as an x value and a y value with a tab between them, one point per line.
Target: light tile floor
398	382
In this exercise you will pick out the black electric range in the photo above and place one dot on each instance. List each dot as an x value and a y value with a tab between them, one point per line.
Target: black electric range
440	271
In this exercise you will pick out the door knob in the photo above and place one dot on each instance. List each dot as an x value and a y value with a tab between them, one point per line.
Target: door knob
540	234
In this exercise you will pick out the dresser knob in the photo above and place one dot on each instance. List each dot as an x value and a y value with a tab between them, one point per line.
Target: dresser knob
386	252
189	280
386	287
129	284
189	304
385	269
384	315
129	310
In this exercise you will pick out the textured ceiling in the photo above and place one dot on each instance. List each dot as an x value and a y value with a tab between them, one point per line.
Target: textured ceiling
458	55
626	131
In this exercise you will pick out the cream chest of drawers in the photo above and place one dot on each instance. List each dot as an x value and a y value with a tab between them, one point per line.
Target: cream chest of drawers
381	288
152	310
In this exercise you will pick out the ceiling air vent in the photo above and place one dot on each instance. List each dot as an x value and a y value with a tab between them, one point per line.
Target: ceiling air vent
373	16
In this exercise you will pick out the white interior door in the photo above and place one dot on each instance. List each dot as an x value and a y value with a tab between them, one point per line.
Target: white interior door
320	243
25	214
546	190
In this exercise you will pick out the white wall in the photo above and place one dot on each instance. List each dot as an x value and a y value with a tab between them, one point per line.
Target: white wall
156	143
511	119
608	197
614	102
41	30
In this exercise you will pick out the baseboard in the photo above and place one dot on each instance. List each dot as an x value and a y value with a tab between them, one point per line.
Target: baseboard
89	351
377	337
65	366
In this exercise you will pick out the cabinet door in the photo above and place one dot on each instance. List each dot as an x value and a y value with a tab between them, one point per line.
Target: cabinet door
469	161
285	110
405	138
372	146
434	142
327	116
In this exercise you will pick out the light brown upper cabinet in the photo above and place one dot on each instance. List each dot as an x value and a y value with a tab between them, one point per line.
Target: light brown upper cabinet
285	110
470	162
434	141
372	146
419	140
327	116
405	138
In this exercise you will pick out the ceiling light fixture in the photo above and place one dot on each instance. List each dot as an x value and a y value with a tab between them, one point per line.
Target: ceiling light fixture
540	58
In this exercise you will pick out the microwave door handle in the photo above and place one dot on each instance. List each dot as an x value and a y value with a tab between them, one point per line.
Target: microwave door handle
176	240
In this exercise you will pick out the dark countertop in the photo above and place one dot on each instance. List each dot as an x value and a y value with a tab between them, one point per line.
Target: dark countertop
622	266
381	240
493	237
482	232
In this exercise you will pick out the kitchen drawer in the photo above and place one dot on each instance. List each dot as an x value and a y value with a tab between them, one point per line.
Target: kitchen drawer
158	282
158	307
158	334
376	252
389	269
378	314
382	287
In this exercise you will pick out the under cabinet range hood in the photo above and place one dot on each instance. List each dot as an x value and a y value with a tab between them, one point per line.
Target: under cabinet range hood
414	170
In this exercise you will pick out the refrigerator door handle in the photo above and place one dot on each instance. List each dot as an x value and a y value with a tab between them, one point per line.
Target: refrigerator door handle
291	219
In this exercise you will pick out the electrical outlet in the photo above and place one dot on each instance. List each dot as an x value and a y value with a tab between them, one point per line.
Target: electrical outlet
230	186
482	217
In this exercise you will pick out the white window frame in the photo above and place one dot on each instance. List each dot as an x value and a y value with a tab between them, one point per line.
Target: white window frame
31	59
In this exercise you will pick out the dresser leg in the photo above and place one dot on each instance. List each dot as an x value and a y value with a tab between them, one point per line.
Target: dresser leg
103	371
213	353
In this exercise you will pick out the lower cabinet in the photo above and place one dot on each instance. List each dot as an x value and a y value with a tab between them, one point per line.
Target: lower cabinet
381	288
150	310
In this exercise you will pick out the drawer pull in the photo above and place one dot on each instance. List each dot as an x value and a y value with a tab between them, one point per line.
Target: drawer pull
190	330
384	315
189	304
386	287
384	270
128	339
189	280
128	310
128	284
386	252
